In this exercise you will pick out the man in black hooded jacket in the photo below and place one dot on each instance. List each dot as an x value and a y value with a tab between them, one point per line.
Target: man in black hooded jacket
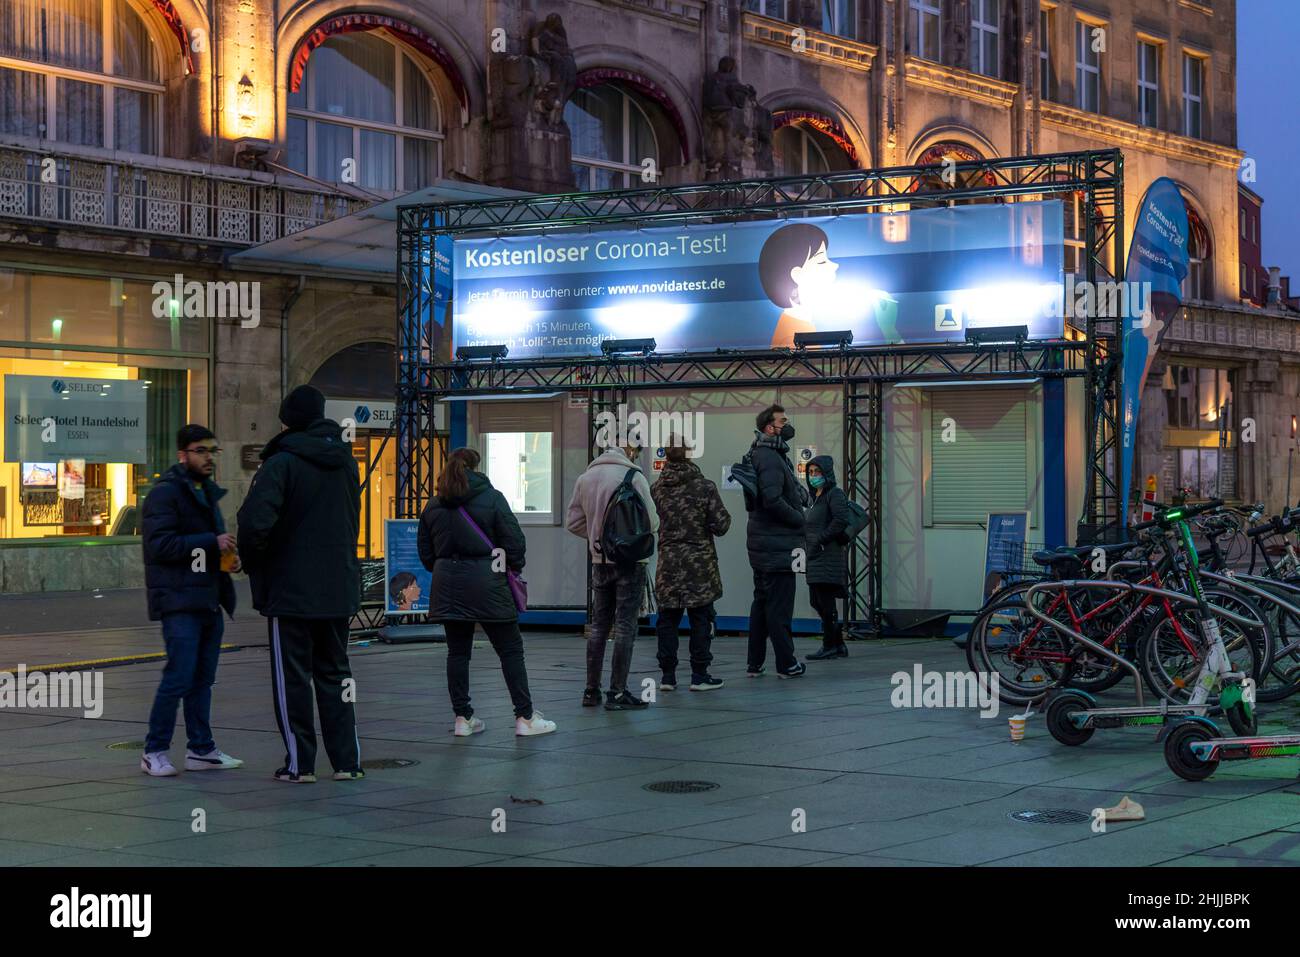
298	539
774	533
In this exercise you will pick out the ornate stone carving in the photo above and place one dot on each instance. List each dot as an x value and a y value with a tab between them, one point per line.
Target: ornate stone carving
527	91
737	131
550	43
533	86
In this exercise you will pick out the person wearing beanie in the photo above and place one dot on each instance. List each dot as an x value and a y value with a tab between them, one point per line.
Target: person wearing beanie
298	542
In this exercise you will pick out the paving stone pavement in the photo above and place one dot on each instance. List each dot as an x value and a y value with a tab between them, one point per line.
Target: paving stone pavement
874	785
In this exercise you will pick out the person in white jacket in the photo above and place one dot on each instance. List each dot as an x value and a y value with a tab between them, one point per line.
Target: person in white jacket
616	591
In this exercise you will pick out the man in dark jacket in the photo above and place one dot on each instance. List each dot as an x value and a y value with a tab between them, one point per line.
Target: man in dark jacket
184	536
827	519
772	538
298	539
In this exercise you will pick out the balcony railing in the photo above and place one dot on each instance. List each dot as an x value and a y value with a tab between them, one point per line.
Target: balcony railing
165	199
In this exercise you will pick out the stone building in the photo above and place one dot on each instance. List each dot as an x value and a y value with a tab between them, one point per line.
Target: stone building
148	141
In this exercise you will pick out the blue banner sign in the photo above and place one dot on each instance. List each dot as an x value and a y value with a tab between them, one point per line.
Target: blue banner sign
920	276
1158	255
406	582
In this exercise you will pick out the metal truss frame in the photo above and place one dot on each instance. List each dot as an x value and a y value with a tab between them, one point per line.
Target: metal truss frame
426	372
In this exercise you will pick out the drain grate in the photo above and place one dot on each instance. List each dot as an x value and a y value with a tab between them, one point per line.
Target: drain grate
127	746
681	787
387	764
1050	815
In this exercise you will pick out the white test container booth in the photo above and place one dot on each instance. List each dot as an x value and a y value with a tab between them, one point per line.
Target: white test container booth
935	499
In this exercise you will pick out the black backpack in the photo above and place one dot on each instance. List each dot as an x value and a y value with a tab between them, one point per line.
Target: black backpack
856	525
745	475
625	536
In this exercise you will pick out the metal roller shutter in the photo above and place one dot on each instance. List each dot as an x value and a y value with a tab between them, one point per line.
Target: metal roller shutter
987	467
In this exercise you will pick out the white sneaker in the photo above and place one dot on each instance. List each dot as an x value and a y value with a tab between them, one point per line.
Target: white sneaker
214	760
157	764
534	725
467	726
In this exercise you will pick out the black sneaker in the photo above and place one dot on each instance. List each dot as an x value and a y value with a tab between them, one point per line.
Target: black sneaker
284	774
705	683
828	651
591	697
624	701
797	669
756	672
668	683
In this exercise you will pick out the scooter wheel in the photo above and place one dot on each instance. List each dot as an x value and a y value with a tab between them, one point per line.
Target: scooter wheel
1237	717
1178	752
1058	718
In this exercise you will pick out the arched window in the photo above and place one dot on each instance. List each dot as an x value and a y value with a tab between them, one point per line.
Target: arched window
796	152
808	143
82	72
1200	269
612	136
947	153
366	113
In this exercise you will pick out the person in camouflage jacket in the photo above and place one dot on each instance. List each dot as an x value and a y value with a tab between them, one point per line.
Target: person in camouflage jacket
691	515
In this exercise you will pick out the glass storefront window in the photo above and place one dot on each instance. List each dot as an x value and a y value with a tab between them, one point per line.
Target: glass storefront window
1196	396
56	330
54	309
65	494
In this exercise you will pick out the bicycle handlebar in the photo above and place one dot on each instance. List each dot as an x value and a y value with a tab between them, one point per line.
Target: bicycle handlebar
1280	525
1184	511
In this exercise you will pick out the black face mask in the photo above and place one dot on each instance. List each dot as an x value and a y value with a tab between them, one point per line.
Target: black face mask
787	432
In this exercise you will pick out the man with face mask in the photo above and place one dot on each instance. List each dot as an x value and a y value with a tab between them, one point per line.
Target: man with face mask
616	590
774	532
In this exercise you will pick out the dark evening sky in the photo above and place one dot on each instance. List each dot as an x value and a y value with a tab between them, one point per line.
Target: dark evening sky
1268	121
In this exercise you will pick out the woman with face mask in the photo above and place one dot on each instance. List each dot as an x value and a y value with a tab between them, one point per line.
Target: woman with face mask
827	519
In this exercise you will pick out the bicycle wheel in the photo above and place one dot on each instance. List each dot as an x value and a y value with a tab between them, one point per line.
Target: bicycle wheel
1283	676
1092	672
1249	607
1171	669
1007	641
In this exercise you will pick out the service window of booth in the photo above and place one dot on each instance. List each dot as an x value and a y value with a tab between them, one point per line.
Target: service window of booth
519	443
981	454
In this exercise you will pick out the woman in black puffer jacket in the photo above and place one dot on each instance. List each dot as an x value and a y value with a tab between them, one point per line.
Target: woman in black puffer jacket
466	589
826	520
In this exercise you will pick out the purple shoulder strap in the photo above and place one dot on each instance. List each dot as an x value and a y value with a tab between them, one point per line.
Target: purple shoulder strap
474	525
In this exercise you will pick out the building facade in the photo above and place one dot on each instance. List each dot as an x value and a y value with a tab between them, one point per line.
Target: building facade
147	141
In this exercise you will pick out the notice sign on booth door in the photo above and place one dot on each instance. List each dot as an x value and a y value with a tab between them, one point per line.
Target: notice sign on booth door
806	455
99	420
1004	548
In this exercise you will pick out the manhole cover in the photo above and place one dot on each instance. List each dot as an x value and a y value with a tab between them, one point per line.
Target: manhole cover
387	764
127	746
681	787
1050	815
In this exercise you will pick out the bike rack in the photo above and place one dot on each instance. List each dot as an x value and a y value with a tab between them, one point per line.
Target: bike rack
1172	596
1246	584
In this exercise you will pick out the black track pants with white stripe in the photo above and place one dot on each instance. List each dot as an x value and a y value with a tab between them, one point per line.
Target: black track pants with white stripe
307	652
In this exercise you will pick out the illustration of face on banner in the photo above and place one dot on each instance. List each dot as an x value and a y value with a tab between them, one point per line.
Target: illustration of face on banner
923	276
